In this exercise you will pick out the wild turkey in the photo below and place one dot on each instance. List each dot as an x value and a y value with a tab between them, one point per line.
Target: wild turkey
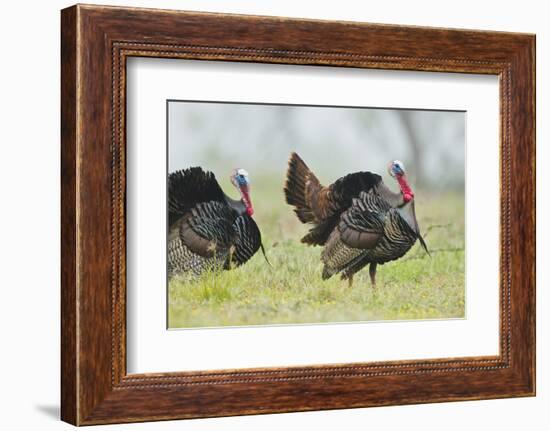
357	219
207	229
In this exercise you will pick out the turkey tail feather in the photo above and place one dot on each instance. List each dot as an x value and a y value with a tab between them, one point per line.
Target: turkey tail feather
318	235
298	179
189	187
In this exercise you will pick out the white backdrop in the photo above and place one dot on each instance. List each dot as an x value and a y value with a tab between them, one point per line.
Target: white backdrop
151	348
29	227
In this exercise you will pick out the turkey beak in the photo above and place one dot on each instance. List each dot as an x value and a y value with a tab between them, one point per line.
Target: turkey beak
245	193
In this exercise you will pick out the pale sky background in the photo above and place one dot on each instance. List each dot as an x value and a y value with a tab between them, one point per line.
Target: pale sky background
332	140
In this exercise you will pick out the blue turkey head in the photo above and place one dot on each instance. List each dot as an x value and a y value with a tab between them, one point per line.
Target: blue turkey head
241	181
396	168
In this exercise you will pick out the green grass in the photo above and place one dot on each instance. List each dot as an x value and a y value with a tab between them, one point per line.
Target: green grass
292	291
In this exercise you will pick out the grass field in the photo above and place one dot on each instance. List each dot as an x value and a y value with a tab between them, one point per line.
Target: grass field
292	291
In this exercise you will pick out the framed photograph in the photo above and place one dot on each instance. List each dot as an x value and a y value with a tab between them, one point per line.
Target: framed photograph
311	236
264	215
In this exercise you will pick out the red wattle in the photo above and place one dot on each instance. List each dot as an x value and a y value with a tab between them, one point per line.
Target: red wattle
405	188
246	200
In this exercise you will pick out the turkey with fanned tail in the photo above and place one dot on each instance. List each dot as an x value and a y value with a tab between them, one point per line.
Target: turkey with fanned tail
357	219
208	230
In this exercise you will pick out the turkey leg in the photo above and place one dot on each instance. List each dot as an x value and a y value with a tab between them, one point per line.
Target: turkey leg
372	273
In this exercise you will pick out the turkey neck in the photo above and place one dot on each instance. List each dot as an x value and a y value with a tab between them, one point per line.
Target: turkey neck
395	199
408	214
405	188
237	204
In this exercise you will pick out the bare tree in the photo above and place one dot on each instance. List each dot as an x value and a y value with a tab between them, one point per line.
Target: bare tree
415	142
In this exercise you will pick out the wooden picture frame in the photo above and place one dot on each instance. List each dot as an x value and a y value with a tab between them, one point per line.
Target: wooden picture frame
95	43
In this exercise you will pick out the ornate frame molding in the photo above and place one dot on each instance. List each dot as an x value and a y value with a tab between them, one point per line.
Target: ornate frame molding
96	41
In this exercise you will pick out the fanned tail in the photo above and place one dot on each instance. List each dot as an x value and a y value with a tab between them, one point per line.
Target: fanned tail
300	183
188	187
318	234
